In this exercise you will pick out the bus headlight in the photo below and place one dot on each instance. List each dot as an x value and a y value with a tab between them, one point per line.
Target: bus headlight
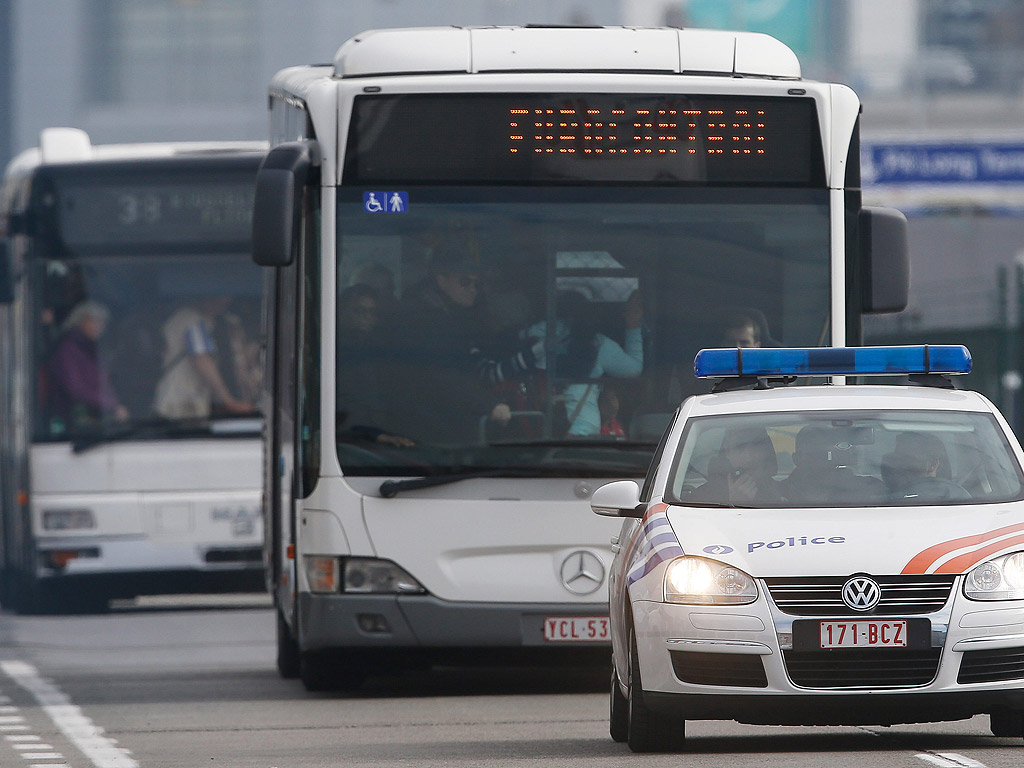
68	519
365	575
999	579
322	573
696	581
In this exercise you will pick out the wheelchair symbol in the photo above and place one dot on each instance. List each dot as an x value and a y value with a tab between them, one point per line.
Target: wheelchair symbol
371	203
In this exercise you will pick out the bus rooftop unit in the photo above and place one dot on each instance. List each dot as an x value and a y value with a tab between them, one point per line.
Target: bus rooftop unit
496	252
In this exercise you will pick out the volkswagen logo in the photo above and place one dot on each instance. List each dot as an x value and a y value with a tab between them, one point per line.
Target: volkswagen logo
582	572
861	593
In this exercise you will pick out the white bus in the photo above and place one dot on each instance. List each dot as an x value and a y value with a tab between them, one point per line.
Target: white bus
548	223
108	255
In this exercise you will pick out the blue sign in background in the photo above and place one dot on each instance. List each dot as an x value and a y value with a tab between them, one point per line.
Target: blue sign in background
942	163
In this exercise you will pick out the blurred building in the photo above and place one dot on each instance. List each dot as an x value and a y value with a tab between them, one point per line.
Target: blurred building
162	70
941	82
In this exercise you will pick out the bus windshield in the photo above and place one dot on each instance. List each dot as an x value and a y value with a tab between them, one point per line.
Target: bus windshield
551	330
115	339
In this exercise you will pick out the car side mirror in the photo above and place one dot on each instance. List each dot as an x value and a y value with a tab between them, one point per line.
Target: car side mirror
618	499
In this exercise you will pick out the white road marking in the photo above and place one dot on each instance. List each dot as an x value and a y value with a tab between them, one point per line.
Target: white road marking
37	746
950	760
79	729
966	762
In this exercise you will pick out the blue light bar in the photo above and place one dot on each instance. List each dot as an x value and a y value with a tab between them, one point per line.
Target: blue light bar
832	361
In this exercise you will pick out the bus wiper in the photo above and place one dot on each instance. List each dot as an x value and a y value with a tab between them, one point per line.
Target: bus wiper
127	431
573	443
220	426
391	488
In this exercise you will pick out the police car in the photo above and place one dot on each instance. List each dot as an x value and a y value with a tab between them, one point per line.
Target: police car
821	555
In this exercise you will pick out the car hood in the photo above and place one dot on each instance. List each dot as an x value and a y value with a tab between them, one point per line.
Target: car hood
823	542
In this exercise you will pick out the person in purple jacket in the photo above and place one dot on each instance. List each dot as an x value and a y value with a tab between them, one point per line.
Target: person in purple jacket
80	391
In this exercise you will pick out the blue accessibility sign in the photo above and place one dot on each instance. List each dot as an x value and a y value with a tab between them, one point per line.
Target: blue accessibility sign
385	202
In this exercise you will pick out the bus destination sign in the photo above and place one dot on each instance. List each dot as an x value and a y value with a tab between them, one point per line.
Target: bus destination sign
491	138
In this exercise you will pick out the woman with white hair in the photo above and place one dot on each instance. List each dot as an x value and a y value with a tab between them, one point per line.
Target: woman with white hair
80	391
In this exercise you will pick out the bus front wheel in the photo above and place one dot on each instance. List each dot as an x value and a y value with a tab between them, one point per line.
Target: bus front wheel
329	671
288	660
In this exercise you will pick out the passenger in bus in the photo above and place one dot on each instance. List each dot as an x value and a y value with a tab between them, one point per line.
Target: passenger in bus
447	379
381	280
192	385
608	403
745	327
585	355
245	371
362	406
80	391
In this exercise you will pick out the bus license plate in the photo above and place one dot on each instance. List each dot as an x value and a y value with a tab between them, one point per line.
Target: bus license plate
863	634
575	629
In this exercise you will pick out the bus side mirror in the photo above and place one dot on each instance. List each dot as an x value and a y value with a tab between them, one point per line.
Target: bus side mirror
618	499
886	260
283	176
6	274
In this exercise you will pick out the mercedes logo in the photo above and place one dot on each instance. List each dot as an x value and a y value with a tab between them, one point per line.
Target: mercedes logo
861	593
582	572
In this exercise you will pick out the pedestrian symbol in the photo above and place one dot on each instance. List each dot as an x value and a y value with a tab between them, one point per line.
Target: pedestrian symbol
385	202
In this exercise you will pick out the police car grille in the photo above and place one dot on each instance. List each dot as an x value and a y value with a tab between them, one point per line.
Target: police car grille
745	671
823	596
991	666
862	668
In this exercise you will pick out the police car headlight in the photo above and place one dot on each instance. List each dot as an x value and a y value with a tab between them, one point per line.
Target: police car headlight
697	581
365	575
999	579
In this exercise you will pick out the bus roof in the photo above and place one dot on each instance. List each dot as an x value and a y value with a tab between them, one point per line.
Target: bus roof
433	50
71	145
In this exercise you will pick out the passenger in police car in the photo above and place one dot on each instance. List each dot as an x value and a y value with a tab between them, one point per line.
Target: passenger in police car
743	471
823	471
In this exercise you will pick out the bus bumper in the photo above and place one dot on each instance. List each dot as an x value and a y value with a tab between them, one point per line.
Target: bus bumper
425	622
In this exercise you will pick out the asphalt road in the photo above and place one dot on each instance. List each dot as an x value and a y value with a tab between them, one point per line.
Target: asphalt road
187	682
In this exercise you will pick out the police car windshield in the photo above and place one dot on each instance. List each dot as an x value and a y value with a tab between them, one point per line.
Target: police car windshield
844	459
555	326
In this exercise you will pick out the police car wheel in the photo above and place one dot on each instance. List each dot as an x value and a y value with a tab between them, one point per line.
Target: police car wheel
618	720
649	731
1007	723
